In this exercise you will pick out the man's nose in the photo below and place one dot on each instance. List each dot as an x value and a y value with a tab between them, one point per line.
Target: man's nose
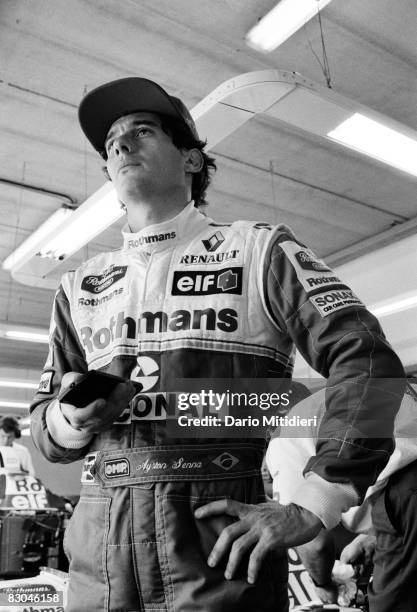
123	144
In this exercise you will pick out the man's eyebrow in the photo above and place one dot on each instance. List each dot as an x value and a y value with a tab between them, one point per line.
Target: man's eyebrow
135	123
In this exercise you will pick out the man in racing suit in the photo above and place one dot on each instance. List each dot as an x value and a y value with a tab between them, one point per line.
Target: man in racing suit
189	298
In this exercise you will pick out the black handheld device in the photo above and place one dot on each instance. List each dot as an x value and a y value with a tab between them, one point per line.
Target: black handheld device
91	386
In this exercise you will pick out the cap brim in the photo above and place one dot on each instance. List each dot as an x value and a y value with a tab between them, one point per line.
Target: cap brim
102	106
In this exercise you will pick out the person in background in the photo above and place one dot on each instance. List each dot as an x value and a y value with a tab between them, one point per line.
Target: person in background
386	520
9	433
188	297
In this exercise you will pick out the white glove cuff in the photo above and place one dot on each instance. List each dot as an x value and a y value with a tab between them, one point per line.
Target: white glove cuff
61	431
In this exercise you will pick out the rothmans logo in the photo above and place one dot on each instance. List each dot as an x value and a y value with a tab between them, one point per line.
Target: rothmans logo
122	327
96	283
137	242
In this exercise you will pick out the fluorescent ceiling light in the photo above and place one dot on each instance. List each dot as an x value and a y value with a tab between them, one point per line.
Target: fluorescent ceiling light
377	140
27	336
64	233
25	333
12	404
84	225
31	244
19	384
281	22
398	305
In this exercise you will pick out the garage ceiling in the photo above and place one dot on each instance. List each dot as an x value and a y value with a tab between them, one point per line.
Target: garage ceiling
53	51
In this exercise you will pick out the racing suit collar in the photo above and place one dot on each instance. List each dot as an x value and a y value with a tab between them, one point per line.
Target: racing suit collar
167	234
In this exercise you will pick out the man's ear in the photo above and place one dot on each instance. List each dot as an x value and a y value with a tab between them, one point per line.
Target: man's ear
193	160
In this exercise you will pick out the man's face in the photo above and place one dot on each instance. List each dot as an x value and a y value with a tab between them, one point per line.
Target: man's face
6	439
142	160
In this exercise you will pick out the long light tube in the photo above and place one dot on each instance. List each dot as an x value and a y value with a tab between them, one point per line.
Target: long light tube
396	306
377	140
10	404
281	22
46	230
19	384
25	333
27	336
83	226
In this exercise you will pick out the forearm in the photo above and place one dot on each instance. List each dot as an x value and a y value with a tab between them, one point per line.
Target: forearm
45	442
318	557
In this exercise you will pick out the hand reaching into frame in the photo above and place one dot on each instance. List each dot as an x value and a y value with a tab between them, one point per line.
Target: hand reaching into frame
261	528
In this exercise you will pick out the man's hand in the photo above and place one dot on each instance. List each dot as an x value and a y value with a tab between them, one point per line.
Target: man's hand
328	593
360	552
263	528
100	414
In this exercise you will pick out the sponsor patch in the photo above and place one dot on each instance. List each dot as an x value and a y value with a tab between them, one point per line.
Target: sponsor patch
97	283
226	461
150	239
208	283
209	258
121	327
146	372
330	301
212	244
307	261
99	301
45	383
114	468
311	271
87	476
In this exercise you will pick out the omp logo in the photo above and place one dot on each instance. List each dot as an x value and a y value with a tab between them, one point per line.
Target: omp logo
146	372
122	327
114	468
101	282
323	280
209	258
207	283
308	261
226	461
137	242
212	244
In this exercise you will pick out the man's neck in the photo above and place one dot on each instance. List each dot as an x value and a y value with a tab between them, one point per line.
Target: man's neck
143	214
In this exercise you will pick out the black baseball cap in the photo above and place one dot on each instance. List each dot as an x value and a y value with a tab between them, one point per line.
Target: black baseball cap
102	106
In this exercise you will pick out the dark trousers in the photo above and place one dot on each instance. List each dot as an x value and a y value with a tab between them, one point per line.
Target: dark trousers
394	585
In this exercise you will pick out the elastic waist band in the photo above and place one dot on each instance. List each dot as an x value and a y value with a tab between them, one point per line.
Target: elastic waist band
131	466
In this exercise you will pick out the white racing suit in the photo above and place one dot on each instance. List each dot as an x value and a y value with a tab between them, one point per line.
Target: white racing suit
190	298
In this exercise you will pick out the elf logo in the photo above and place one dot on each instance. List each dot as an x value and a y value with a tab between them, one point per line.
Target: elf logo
116	467
198	282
